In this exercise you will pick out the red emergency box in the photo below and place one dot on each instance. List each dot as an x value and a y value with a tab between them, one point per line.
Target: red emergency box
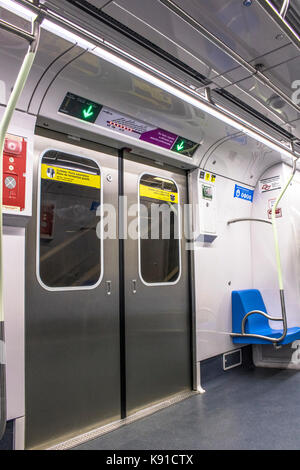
14	172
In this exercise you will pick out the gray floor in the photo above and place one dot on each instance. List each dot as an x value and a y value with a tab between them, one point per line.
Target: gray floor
243	409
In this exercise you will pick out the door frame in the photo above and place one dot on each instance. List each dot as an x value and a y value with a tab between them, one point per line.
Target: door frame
121	246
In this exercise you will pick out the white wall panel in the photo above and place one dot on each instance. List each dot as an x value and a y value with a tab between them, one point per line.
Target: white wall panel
221	267
13	265
264	267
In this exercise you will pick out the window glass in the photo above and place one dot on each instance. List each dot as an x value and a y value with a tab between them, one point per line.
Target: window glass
159	230
70	249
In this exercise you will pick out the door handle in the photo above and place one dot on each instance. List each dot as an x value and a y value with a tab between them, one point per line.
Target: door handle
108	287
134	286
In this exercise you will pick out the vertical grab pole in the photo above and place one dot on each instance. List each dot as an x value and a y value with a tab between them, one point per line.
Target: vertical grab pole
284	8
10	108
277	252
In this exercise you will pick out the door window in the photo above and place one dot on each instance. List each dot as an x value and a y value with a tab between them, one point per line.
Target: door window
159	230
69	240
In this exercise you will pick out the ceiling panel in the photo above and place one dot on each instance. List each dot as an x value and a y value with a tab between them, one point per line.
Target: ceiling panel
247	30
285	74
158	24
260	105
282	54
256	89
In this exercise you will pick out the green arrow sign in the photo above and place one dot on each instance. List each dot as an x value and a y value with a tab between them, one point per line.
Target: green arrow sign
80	108
180	146
184	146
87	113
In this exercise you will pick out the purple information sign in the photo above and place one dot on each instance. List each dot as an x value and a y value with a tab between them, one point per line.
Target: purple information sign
159	137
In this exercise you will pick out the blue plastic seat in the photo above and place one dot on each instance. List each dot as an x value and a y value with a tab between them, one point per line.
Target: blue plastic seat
244	301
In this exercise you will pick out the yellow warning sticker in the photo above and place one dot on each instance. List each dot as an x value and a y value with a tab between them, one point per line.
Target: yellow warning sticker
64	175
207	176
160	194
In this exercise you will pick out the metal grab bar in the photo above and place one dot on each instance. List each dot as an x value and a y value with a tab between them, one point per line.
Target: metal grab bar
260	312
284	8
279	18
15	30
242	219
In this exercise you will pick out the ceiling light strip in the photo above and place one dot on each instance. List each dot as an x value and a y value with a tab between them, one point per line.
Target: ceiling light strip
15	30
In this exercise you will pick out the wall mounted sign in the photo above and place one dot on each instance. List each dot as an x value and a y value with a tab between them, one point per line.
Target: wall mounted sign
270	184
278	212
243	193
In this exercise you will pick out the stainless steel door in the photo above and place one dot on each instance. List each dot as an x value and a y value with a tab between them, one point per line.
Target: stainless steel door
72	313
157	323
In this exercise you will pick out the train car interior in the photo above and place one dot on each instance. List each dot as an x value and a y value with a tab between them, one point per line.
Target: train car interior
149	225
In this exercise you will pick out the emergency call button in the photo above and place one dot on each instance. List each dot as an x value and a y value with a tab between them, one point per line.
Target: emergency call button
13	146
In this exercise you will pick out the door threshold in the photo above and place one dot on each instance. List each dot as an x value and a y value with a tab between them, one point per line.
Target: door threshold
98	432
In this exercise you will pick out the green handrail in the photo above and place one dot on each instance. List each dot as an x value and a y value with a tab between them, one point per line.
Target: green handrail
276	243
10	108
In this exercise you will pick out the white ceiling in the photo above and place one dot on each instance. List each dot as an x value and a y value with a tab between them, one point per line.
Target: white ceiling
190	57
248	31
